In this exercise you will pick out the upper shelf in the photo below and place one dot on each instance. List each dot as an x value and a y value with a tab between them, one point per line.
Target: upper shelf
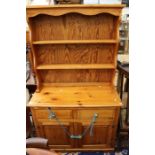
76	66
58	10
110	41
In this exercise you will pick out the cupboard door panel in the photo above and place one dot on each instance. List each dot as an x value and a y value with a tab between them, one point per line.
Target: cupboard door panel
53	133
100	135
57	136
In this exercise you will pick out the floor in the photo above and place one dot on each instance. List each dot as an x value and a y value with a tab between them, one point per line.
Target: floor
123	152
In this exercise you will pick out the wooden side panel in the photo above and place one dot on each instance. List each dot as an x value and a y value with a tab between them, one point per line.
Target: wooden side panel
34	119
73	26
85	75
116	119
75	54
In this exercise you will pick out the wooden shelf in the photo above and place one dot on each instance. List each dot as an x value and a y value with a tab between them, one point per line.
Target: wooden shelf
76	66
110	41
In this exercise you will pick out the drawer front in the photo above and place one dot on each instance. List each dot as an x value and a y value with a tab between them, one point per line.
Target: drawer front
102	113
42	115
104	116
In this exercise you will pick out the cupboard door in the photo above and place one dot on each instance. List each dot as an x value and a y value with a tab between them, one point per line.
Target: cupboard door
100	138
56	129
57	137
100	133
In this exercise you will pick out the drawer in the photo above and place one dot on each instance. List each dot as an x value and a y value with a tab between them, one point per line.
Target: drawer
43	114
87	114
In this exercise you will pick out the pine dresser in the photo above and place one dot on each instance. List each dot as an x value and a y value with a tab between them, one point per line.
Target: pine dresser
74	50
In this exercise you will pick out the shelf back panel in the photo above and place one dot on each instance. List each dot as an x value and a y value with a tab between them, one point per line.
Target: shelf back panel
74	54
73	26
71	76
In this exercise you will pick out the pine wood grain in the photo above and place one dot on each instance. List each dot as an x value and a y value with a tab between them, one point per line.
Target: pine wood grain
75	75
79	96
34	58
75	54
73	26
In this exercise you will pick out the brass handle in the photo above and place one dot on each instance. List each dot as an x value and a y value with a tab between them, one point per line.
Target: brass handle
51	114
75	136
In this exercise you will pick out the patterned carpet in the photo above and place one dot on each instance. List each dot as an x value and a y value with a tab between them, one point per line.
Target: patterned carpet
123	152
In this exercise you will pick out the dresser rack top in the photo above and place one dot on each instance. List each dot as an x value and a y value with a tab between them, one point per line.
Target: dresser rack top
77	5
114	9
